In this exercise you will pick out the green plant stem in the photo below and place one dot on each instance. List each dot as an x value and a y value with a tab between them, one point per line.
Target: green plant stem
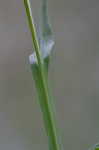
50	127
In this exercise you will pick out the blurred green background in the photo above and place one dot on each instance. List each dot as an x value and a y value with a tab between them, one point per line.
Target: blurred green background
74	75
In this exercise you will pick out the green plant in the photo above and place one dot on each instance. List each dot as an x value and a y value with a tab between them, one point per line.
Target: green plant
95	147
43	44
39	60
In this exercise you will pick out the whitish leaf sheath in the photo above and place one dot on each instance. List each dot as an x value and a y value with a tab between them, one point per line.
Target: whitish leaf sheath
46	49
44	35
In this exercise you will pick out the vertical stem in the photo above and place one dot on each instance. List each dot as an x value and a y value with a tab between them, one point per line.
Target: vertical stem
50	126
33	31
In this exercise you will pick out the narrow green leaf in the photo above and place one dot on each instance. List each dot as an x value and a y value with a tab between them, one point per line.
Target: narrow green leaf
48	112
